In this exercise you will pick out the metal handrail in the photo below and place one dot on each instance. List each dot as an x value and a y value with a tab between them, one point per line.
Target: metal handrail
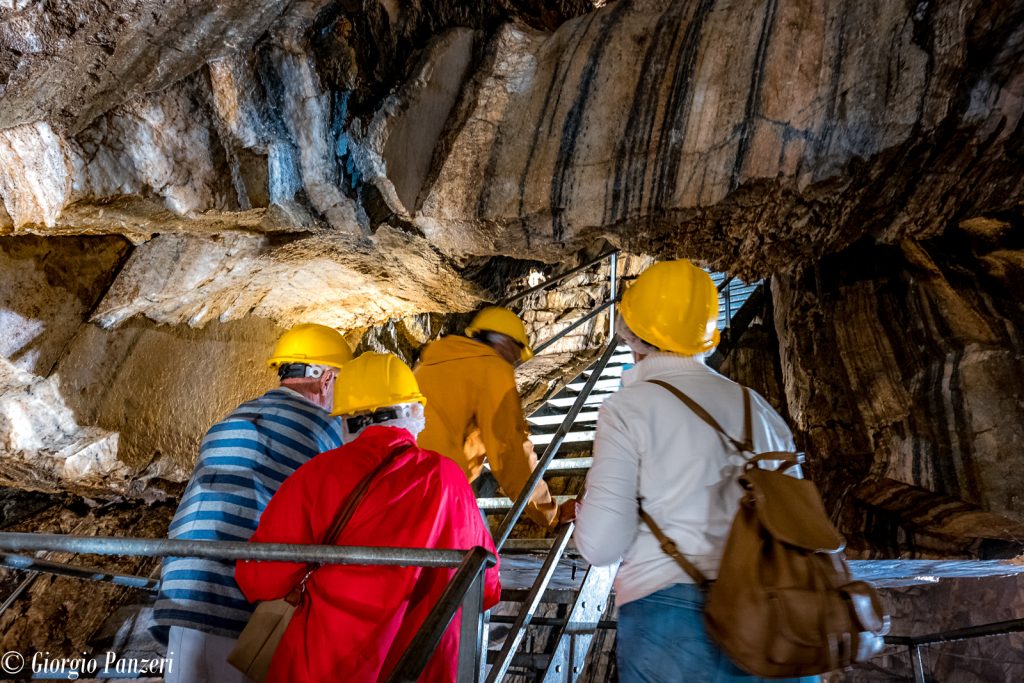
231	550
555	280
552	448
529	606
980	631
33	564
591	314
464	591
914	643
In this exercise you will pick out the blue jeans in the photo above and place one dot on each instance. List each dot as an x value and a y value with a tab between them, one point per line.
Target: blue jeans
661	639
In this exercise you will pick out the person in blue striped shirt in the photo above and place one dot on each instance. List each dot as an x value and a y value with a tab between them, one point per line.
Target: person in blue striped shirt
243	459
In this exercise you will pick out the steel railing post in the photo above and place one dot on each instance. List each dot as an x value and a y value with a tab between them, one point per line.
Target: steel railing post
728	306
422	647
917	663
471	639
613	294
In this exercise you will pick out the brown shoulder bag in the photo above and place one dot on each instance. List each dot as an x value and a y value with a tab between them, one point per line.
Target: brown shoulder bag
259	640
784	603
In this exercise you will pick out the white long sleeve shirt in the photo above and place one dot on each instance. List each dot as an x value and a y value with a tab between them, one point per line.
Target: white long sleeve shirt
650	445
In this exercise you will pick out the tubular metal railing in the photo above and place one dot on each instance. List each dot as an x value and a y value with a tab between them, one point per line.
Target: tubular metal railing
33	564
609	303
547	284
530	605
556	442
465	590
914	643
552	448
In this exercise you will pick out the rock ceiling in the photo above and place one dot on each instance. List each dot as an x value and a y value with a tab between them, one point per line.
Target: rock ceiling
756	135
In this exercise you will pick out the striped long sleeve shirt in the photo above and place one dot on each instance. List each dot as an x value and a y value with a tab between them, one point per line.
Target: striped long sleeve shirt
242	461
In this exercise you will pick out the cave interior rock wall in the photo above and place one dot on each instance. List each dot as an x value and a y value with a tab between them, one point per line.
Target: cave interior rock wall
180	183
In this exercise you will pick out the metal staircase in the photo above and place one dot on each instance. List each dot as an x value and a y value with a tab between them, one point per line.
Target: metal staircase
545	648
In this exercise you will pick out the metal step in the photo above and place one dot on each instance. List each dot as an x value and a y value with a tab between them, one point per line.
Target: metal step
556	419
592	400
601	385
571	437
533	545
503	503
570	464
558	596
534	661
614	371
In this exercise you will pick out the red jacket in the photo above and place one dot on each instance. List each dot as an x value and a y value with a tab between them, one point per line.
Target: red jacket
356	621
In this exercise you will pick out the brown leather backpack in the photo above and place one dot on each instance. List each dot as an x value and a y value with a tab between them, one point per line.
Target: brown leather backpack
784	603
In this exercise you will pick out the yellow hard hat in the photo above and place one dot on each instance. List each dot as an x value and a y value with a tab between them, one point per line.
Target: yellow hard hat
372	381
673	305
313	345
503	321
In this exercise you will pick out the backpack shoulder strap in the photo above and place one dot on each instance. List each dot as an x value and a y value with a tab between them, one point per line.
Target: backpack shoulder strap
669	547
746	445
748	422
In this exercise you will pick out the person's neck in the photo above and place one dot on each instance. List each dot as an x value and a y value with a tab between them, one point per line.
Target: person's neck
303	389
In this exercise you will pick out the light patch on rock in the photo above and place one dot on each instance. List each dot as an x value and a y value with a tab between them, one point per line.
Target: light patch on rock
306	110
35	173
232	85
158	143
339	281
43	447
401	139
19	333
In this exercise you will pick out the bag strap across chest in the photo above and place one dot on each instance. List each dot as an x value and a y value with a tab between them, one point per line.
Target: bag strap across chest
343	515
746	445
346	511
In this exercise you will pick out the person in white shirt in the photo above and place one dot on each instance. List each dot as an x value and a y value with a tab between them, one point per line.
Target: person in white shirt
650	446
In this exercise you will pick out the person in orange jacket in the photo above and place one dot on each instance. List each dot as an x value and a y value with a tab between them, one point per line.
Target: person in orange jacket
474	410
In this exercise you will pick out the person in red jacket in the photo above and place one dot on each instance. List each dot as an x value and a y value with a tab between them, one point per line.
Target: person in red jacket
355	622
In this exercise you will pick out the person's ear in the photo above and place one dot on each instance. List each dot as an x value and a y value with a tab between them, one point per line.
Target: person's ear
325	380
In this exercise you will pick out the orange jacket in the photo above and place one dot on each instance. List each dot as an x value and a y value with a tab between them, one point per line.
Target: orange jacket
473	409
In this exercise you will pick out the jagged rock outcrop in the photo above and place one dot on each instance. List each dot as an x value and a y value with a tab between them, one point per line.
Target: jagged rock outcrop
98	399
829	124
343	282
823	123
902	366
44	448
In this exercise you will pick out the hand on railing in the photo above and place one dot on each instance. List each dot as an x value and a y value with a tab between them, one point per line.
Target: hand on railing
567	512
